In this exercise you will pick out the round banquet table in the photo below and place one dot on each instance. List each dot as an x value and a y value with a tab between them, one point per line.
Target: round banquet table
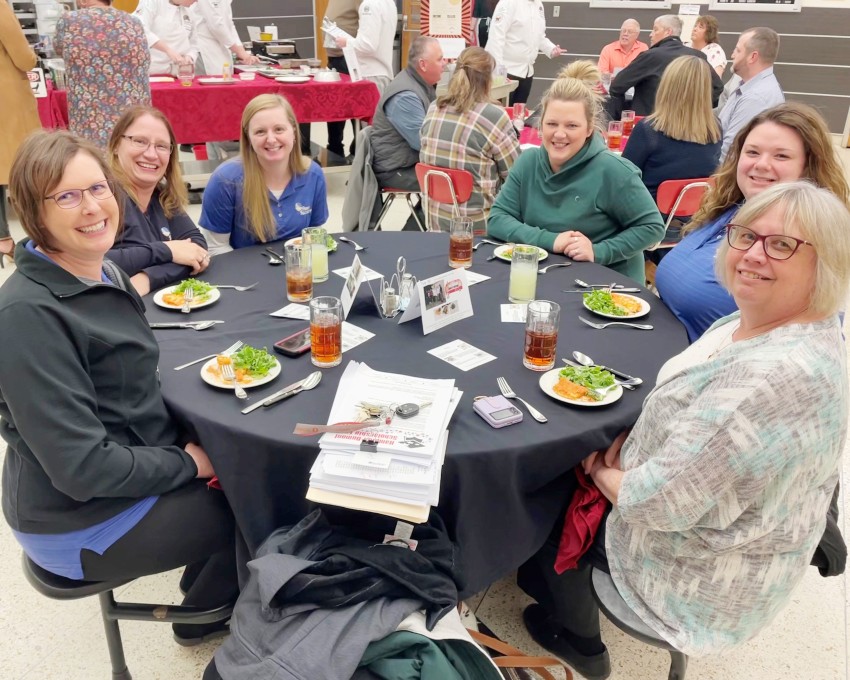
502	489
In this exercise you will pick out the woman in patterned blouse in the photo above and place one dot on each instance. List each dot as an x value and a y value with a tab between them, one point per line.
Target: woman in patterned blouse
720	491
464	130
107	59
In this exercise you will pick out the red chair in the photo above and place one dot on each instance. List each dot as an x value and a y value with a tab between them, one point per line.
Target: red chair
679	198
443	185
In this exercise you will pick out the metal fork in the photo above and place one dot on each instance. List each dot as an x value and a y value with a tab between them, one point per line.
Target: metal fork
241	289
508	393
484	240
229	375
552	266
347	240
639	326
188	296
235	347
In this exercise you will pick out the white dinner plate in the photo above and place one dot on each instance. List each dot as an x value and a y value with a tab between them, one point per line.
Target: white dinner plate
503	253
549	379
293	79
216	81
296	241
644	308
211	297
212	379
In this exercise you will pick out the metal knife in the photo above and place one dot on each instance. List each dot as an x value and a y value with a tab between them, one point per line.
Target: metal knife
619	374
616	290
286	392
182	324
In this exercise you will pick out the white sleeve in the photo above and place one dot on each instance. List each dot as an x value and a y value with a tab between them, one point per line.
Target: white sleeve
217	244
220	29
503	15
368	36
145	13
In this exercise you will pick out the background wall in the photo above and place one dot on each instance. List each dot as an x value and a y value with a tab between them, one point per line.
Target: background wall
814	56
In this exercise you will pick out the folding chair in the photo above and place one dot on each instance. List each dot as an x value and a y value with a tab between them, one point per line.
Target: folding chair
679	198
443	185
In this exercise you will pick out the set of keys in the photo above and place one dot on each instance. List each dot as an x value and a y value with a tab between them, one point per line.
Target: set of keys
387	412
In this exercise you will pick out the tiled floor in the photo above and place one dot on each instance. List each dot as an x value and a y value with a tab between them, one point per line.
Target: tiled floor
52	640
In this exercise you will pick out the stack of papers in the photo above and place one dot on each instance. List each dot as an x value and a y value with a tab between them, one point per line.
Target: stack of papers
393	469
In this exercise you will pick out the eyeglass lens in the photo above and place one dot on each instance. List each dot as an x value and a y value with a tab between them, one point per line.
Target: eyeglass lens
143	143
73	197
776	246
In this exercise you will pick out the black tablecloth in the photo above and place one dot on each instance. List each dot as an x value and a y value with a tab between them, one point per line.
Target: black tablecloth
502	490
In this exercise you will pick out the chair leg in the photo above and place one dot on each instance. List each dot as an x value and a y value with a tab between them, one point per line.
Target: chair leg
413	212
384	210
678	666
113	638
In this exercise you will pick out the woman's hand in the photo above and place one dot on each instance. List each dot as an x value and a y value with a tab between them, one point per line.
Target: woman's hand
612	455
141	283
574	245
202	461
190	254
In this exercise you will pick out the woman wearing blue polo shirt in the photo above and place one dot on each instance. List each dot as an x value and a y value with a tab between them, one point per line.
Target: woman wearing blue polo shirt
271	192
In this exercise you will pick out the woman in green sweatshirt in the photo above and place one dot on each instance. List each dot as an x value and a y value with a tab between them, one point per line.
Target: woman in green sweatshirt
572	195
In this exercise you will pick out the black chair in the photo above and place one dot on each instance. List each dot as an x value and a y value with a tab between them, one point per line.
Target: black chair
61	588
620	614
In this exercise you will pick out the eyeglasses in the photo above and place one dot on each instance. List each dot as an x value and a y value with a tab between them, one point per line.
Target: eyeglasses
776	246
71	198
143	143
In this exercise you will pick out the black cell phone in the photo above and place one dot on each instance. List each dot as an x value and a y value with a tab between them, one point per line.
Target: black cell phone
295	344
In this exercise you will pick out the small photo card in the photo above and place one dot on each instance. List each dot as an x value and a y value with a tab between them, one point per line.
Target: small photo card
443	299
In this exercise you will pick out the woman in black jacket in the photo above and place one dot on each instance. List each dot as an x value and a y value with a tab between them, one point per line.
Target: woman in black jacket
98	481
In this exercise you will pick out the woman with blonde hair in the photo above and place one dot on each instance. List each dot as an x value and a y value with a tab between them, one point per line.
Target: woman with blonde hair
465	130
681	139
704	39
783	144
271	191
572	195
159	243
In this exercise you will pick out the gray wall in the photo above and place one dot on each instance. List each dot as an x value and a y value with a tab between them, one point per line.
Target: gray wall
814	55
293	18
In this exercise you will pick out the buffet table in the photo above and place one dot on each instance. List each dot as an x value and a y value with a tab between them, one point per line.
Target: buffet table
502	490
212	113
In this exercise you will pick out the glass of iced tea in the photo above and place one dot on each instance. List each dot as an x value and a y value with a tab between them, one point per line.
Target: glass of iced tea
460	243
317	239
299	272
325	331
615	134
541	335
628	120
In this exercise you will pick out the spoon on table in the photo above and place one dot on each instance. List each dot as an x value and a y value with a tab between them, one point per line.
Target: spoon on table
581	283
585	360
274	258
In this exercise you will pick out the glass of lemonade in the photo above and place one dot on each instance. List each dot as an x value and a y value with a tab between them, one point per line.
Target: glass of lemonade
299	272
523	281
541	335
186	73
325	331
460	243
317	239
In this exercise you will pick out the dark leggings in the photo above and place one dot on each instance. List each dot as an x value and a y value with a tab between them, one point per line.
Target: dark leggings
192	526
521	93
567	597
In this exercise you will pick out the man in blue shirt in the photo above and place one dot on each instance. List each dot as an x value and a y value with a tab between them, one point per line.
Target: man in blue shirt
757	90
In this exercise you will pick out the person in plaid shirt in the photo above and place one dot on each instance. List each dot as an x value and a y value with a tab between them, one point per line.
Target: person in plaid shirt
464	130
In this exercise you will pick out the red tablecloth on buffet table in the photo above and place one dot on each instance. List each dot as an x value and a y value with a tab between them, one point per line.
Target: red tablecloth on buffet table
211	113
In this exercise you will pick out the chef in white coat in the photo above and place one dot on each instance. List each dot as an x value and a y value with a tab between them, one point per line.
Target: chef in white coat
217	36
170	29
